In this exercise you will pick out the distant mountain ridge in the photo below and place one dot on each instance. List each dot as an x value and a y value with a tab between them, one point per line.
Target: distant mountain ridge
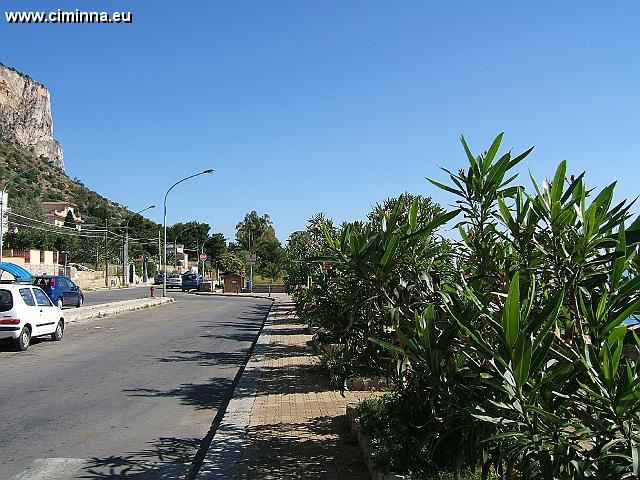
25	115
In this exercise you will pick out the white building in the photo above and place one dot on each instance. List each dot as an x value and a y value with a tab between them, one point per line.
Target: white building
56	213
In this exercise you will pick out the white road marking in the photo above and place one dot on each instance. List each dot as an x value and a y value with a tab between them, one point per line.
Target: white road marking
50	468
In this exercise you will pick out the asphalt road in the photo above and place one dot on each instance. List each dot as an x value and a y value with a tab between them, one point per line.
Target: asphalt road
130	396
118	294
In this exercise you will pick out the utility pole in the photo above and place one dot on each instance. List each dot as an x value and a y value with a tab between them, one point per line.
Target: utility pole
106	254
250	265
125	256
125	246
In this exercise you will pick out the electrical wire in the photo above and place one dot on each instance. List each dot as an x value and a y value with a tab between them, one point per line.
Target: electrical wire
47	223
59	229
48	230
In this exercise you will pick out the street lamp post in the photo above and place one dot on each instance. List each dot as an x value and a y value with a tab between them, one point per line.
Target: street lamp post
125	247
4	188
164	221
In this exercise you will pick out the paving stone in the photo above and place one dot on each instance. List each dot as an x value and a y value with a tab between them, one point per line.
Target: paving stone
293	424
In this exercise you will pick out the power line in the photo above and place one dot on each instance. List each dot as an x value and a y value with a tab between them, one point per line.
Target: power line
57	226
58	232
57	229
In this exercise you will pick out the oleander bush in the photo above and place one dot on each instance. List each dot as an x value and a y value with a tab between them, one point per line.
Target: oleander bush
507	349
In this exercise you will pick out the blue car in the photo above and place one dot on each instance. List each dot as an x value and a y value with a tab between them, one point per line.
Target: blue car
61	290
191	281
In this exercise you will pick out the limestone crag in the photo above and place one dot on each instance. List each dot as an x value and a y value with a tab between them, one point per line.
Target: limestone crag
25	115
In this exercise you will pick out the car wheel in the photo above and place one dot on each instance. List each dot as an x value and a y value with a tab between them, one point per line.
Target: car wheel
59	303
80	301
23	341
57	335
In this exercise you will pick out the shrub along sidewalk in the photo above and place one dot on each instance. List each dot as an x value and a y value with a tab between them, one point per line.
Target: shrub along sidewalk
508	348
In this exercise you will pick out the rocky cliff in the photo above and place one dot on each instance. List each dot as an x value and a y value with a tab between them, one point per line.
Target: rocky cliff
25	115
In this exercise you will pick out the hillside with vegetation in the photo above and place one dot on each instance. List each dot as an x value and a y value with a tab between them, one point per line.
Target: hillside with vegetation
49	183
46	182
101	236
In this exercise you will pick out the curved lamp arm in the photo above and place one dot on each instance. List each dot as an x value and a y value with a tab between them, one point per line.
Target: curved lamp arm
164	282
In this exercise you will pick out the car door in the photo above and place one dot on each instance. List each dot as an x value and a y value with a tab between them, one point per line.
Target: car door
48	312
72	293
35	316
65	291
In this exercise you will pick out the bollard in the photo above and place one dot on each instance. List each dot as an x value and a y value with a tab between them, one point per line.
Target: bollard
152	290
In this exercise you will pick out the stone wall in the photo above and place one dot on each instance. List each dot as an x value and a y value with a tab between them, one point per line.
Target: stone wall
278	288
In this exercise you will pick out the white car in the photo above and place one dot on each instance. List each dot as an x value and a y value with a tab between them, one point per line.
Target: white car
25	312
174	281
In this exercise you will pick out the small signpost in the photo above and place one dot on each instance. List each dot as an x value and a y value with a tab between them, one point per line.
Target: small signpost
204	257
251	261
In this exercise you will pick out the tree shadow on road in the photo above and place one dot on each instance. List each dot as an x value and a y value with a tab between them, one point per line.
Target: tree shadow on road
208	395
165	459
207	359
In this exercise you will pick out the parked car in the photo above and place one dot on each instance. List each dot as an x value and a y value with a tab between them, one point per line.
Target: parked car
191	281
174	281
61	290
26	312
158	279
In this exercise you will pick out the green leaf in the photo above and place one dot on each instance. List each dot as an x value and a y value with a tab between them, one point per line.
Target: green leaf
574	184
621	315
464	235
387	345
467	150
558	182
620	263
493	149
413	214
446	187
522	359
519	158
390	251
504	212
433	224
328	237
547	415
511	312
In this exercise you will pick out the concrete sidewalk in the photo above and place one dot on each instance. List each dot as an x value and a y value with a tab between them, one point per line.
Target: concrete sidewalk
284	420
112	308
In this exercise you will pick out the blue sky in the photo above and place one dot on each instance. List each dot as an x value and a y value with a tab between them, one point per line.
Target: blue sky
305	106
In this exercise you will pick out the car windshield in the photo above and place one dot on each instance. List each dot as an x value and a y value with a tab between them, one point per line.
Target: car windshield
42	282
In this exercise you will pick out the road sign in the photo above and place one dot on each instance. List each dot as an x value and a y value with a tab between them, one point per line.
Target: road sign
251	259
204	256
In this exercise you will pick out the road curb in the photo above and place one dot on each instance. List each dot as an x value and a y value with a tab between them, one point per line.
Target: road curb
233	295
106	309
222	458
